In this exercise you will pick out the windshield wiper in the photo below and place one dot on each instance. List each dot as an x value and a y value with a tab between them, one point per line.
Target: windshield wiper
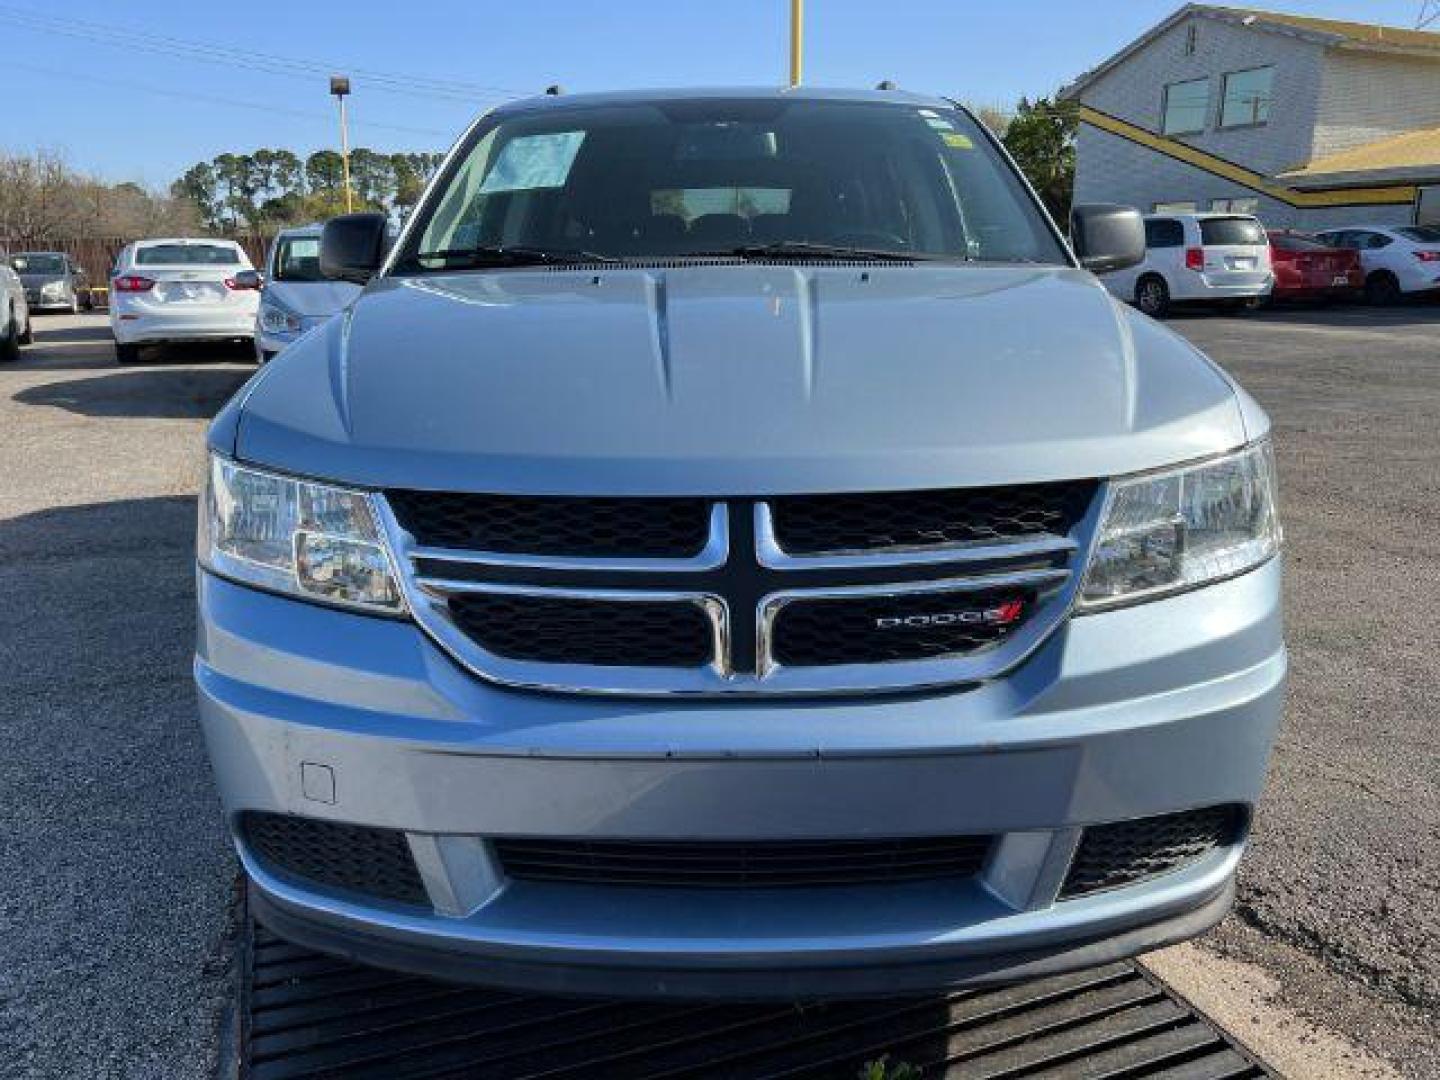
506	255
809	250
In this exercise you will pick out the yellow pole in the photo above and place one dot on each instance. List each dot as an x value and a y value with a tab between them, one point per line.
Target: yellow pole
345	155
797	40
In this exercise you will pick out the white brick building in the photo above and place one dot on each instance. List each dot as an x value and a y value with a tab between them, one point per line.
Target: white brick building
1310	123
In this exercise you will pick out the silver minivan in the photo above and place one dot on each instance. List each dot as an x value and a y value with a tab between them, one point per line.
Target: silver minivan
734	547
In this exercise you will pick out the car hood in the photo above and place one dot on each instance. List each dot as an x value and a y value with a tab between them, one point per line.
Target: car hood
734	380
312	299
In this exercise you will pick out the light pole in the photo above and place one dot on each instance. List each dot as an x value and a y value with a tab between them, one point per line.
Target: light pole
340	88
797	40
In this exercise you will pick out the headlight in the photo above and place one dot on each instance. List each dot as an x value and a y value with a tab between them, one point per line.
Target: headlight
274	319
295	536
1165	532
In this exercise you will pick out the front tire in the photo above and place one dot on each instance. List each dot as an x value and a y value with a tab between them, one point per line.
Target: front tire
127	354
1152	295
1382	289
10	342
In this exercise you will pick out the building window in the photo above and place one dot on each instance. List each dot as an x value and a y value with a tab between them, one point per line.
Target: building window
1245	97
1186	104
1176	207
1250	205
1192	35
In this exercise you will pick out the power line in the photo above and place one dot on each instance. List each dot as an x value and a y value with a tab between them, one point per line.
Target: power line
212	99
269	63
1429	13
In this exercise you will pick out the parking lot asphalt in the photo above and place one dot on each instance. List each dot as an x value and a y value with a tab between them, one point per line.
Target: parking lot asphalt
116	882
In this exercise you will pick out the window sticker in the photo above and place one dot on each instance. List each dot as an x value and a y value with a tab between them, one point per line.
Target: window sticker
534	161
957	141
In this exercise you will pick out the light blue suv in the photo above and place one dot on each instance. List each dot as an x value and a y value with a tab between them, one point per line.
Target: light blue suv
734	547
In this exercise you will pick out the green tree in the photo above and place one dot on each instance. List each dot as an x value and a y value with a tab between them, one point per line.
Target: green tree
1041	138
201	186
372	176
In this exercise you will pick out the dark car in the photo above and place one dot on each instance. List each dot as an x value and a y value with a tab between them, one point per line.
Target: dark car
53	281
1308	269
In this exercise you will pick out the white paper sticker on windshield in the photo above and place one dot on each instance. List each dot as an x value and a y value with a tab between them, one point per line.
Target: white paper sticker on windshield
534	161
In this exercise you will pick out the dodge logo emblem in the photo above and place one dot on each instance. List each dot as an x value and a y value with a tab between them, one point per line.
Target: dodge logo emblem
1000	615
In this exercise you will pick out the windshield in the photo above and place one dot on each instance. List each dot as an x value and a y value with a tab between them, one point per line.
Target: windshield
38	264
1420	234
712	177
297	258
187	255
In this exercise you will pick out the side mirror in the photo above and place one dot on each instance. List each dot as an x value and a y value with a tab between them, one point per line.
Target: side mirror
1107	237
249	279
352	247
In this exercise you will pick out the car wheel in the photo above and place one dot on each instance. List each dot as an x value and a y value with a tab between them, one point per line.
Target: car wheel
10	343
1382	289
127	354
1152	296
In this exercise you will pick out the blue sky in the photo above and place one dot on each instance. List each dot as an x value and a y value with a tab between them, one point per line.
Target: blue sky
119	89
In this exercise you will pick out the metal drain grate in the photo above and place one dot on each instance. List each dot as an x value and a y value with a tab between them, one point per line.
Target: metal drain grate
309	1015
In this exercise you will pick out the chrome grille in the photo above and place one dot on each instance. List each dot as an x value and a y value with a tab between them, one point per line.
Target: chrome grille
737	608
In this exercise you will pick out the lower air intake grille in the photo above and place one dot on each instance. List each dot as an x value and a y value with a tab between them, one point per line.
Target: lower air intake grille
812	524
357	858
883	629
1127	852
554	525
743	864
571	631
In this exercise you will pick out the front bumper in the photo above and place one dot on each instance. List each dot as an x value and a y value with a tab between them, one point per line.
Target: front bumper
1141	711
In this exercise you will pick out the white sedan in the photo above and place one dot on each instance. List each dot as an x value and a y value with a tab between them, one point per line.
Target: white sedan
1397	260
181	290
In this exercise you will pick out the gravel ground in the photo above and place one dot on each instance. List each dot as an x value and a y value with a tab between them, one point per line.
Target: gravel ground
1340	896
115	877
116	882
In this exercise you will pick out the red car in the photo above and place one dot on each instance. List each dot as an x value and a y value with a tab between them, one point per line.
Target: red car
1306	269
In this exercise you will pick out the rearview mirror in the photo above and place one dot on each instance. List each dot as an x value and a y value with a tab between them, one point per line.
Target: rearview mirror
352	247
1107	237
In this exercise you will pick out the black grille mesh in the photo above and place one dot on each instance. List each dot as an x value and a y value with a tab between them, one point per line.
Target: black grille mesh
1126	852
743	864
811	524
573	631
591	528
374	862
816	633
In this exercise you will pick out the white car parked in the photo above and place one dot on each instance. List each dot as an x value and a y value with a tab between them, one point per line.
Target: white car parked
15	329
1197	258
1396	261
181	290
296	297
